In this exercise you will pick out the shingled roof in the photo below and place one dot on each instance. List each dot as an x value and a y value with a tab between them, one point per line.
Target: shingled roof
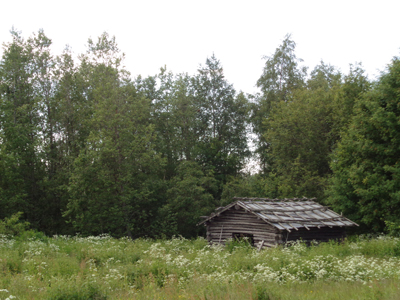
288	214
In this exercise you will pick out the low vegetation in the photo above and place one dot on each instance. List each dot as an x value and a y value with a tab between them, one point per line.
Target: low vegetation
34	266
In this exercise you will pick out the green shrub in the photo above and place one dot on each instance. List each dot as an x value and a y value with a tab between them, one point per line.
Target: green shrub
32	235
262	293
13	226
392	228
82	292
243	243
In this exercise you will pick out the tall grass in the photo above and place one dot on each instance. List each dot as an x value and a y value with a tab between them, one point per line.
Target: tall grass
62	267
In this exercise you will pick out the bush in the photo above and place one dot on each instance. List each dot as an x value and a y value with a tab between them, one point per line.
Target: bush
392	228
232	244
13	226
83	292
32	235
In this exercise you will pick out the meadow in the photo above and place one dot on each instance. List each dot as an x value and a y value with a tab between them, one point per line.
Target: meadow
34	266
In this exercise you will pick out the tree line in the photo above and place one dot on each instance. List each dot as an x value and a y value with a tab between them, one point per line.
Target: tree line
86	148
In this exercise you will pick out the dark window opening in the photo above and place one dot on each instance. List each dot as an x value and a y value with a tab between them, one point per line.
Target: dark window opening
247	237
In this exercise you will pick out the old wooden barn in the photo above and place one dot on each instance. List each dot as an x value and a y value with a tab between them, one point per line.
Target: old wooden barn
270	222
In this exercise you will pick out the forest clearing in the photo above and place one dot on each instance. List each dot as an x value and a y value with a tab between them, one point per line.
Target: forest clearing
86	149
102	267
194	150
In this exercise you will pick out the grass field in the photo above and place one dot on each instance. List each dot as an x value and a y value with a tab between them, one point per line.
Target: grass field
62	267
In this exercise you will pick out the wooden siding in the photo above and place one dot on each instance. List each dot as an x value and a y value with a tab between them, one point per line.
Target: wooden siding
222	227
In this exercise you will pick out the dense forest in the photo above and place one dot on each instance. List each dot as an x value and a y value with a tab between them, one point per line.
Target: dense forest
85	148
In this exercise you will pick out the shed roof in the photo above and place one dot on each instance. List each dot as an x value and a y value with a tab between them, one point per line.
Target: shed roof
288	214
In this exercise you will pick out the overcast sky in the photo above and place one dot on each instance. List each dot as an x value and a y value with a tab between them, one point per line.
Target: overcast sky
182	34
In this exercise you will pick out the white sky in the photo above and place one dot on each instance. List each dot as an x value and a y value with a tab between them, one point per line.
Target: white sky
182	34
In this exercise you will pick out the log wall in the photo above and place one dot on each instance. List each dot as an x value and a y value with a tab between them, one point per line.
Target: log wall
222	227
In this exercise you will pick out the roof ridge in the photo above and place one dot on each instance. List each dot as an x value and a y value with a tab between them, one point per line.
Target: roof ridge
274	200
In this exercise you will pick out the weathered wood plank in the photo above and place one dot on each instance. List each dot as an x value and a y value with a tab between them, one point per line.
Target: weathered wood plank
253	232
237	226
240	223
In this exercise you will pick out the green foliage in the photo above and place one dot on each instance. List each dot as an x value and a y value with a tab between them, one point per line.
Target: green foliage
281	74
198	118
12	196
13	226
281	77
392	228
256	185
73	292
84	148
190	197
303	132
263	293
224	116
110	186
33	166
365	183
299	122
20	127
300	144
243	243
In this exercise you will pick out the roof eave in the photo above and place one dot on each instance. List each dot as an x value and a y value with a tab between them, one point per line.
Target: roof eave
213	215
